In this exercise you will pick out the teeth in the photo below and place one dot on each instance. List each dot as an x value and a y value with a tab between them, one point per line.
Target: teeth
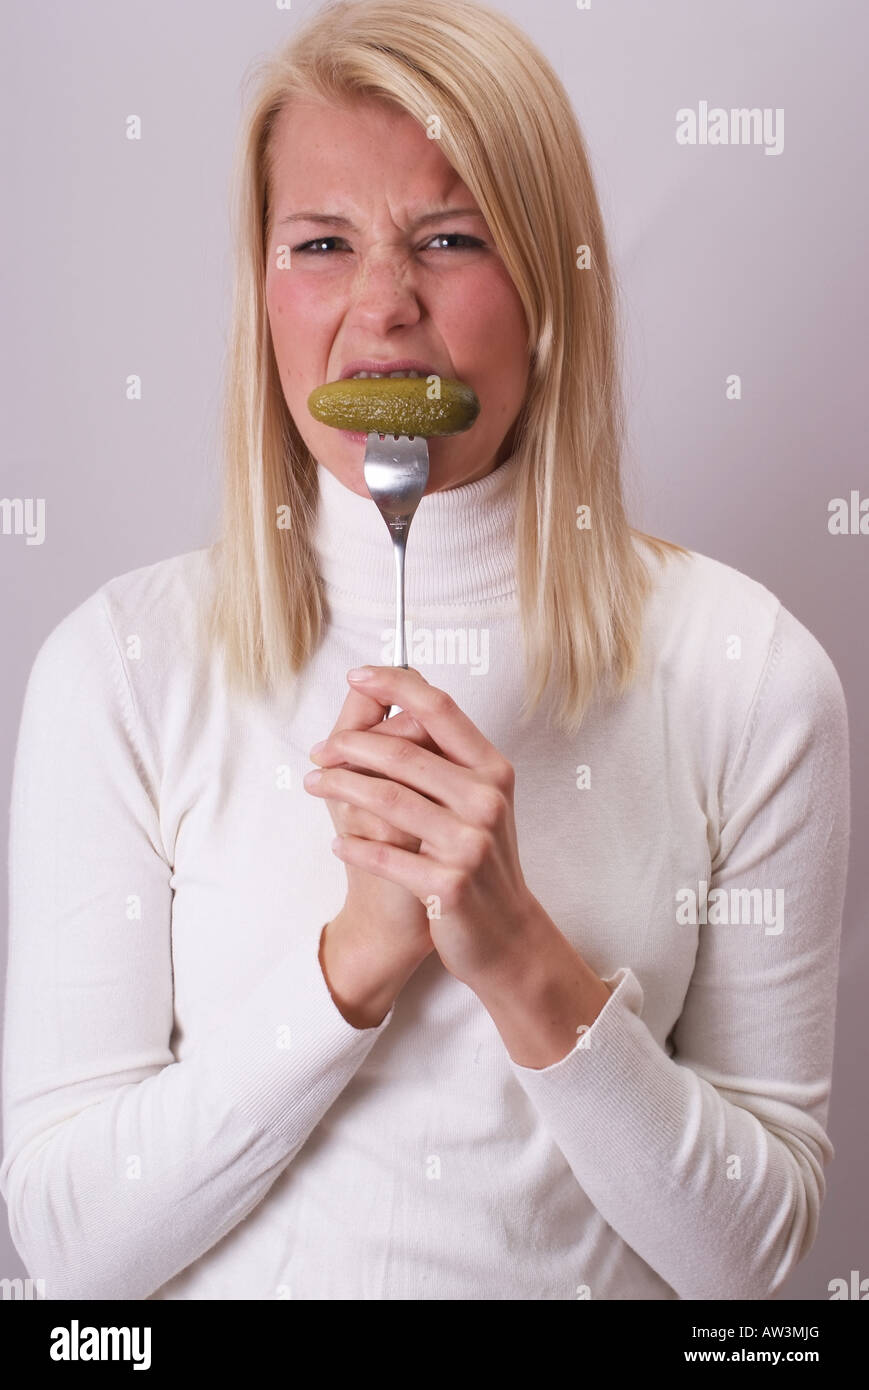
377	376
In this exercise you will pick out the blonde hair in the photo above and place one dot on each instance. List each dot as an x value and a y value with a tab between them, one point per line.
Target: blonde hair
508	129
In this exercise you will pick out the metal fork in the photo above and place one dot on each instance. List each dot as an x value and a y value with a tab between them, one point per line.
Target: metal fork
396	474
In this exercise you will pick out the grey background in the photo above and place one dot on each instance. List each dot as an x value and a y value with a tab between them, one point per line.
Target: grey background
116	260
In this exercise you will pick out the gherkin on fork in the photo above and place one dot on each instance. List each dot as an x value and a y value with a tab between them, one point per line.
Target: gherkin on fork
399	415
396	405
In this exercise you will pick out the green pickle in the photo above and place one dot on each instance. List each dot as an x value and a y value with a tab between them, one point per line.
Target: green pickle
395	405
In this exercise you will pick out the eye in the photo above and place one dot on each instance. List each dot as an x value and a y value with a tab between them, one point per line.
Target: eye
308	247
321	246
469	241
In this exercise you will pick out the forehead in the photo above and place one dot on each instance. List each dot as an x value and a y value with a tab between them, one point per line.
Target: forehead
364	146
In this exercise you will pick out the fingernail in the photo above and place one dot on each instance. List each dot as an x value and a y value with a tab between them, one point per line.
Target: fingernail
311	778
360	673
318	747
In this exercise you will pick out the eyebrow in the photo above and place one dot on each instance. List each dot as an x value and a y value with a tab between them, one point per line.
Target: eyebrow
331	220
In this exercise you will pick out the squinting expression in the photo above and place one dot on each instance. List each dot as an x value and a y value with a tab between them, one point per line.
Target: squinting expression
391	261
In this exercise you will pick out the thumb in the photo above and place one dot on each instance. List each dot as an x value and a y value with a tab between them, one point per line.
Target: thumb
361	711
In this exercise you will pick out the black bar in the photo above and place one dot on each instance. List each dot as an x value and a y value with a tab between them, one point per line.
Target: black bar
237	1336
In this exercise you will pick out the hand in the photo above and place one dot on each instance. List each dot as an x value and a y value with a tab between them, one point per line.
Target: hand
385	906
455	797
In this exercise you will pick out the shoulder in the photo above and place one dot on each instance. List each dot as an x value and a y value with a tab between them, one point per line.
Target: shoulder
730	657
703	612
130	653
161	602
701	608
164	600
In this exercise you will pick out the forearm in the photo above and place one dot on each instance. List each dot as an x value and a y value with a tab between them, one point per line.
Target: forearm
717	1190
543	1001
120	1197
363	969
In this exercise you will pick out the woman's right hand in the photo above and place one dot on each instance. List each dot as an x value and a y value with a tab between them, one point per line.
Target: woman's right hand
381	934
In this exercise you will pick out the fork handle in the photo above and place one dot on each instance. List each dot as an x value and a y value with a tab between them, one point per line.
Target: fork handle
399	543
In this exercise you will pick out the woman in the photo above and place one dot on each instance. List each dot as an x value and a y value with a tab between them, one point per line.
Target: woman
567	1030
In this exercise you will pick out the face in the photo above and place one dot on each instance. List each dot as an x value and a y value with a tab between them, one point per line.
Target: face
391	262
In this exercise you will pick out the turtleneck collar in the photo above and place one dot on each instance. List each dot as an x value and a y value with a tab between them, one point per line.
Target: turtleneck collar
460	546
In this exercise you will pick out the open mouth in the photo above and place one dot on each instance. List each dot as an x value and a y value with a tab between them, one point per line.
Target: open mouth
408	375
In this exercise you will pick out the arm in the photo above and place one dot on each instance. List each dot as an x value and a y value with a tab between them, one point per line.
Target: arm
121	1165
709	1162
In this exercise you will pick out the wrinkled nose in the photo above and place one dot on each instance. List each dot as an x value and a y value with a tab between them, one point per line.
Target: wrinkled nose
384	292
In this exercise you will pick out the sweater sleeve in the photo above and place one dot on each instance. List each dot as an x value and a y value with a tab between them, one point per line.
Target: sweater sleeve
122	1165
710	1162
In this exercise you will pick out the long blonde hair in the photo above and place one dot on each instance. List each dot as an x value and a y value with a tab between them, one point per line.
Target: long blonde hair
508	129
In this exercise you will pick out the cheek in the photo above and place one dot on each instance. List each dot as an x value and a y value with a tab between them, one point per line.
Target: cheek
488	310
491	332
295	307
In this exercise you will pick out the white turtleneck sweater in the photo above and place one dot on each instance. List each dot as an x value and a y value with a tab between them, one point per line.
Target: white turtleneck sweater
187	1113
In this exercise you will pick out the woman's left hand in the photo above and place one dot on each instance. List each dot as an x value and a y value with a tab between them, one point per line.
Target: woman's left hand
459	803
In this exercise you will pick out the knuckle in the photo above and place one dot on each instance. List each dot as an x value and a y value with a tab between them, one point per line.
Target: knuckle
380	853
400	751
490	807
504	777
476	845
406	727
391	793
440	703
337	741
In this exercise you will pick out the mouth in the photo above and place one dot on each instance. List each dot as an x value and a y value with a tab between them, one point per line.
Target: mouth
363	370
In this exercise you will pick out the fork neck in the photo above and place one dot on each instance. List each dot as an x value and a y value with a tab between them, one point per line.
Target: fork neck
460	545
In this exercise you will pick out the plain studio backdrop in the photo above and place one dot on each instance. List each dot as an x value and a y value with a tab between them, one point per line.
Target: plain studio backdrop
116	261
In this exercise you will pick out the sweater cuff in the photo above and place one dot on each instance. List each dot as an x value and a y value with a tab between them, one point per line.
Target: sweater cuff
626	992
288	1051
592	1092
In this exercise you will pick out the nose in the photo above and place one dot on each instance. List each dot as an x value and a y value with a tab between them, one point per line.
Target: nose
384	294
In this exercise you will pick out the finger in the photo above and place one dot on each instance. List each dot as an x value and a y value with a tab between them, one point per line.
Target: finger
418	873
406	726
353	821
396	804
403	726
438	713
326	753
401	760
361	711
